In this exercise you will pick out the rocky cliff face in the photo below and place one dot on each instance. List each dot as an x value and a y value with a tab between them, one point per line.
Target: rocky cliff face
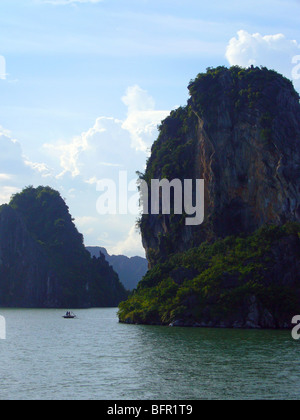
26	276
237	282
240	133
270	305
43	261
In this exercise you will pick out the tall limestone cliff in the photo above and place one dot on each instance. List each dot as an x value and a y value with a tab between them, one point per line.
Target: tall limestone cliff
240	132
43	261
26	276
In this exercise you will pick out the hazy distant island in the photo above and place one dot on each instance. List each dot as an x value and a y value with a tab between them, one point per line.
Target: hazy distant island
130	270
240	132
43	261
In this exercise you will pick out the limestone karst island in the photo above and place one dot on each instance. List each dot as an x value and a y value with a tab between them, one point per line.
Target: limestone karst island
240	132
149	203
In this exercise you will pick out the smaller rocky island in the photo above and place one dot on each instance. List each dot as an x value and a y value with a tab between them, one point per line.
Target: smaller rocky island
43	261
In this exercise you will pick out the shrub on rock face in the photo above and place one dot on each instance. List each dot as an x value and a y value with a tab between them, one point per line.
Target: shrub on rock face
240	132
251	281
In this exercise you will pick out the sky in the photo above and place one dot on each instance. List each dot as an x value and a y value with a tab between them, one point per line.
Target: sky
85	83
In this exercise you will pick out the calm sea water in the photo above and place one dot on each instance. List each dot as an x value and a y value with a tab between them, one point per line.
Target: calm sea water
95	357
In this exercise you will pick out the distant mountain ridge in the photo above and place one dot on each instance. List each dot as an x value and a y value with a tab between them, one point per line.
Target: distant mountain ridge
130	270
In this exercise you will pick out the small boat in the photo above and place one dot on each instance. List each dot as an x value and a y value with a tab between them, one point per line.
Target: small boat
70	315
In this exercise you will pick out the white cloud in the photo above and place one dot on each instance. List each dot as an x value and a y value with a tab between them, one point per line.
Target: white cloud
142	118
137	99
94	152
85	220
16	171
92	181
86	224
272	51
12	167
111	144
6	192
68	154
130	246
5	177
41	168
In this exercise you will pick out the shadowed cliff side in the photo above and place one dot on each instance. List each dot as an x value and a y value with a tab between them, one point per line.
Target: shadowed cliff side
26	275
43	261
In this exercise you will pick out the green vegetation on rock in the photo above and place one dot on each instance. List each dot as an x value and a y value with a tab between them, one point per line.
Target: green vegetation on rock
42	251
217	284
240	132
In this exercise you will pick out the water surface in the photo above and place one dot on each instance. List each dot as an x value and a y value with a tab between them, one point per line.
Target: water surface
95	357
